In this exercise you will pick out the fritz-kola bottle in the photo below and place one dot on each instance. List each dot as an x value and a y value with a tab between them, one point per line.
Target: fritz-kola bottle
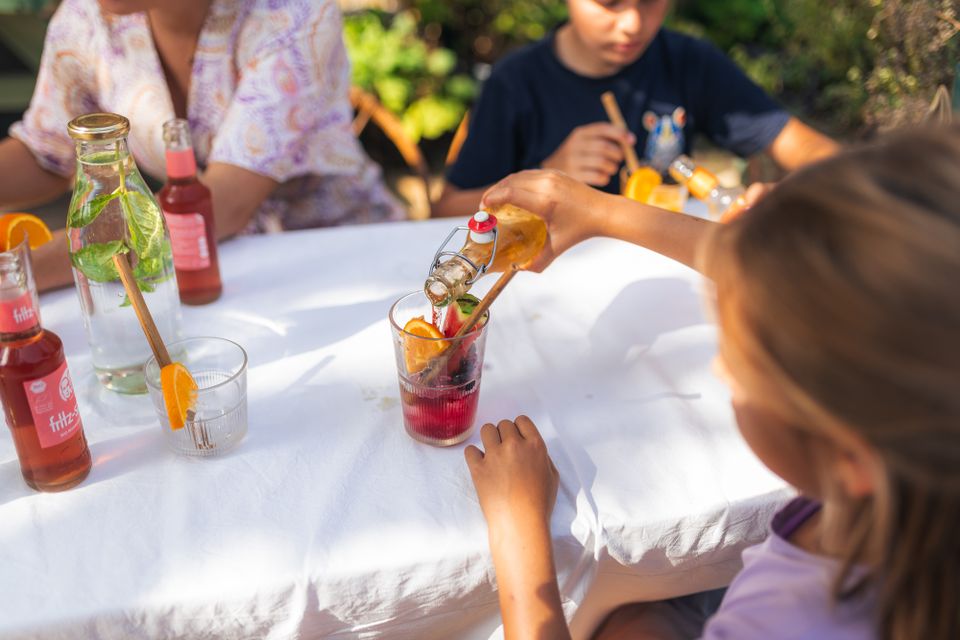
188	208
35	387
496	240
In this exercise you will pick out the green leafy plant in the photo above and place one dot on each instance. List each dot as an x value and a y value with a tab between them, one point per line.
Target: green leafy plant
483	30
853	65
413	79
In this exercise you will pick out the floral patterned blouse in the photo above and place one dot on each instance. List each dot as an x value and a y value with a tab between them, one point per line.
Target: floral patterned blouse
268	93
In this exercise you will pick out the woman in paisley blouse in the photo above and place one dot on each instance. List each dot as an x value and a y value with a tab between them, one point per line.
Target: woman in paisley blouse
264	84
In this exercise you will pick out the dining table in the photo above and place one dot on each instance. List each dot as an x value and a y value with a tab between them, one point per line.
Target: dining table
328	520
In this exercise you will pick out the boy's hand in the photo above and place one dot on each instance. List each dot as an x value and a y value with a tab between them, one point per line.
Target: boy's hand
571	209
515	479
591	153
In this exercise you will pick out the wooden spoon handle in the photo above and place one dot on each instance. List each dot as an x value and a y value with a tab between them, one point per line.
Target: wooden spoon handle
486	302
140	307
616	117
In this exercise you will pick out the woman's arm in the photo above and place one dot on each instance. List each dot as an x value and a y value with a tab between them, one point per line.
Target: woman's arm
575	212
23	181
237	193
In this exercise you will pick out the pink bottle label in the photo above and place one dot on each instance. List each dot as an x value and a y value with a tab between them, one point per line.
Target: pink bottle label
53	406
18	314
188	235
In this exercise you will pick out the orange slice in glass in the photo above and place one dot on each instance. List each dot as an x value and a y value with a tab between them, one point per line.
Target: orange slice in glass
179	393
641	183
417	352
15	227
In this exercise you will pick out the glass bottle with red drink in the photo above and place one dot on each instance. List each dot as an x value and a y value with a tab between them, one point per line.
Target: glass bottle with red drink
188	209
35	386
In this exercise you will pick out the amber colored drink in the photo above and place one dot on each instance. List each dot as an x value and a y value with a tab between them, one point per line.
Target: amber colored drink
520	237
188	208
57	466
38	397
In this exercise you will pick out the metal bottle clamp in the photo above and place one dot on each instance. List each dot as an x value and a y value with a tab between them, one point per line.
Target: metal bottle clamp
480	269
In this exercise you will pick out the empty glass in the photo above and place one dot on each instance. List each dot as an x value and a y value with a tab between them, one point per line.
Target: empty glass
219	367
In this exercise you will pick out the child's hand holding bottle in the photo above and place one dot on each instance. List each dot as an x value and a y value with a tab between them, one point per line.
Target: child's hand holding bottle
569	207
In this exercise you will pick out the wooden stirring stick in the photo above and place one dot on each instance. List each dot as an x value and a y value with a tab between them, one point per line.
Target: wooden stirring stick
143	313
197	431
613	112
439	363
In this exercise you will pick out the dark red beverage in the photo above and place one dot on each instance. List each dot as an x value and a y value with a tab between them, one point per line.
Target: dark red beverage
188	208
439	415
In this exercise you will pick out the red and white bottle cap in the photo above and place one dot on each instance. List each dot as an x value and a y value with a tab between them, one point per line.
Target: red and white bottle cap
481	227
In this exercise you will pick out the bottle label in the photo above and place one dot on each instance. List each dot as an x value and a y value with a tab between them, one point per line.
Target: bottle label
188	235
53	405
18	314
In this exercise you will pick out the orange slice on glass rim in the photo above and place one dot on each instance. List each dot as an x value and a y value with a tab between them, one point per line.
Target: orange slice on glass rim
179	393
15	227
418	353
641	184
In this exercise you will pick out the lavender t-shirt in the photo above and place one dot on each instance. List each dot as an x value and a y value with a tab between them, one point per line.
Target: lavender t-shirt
784	592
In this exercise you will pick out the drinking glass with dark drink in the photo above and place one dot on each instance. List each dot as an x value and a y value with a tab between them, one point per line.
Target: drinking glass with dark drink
439	374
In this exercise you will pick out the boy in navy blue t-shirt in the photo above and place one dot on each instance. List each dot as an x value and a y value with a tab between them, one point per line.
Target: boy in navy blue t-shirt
541	105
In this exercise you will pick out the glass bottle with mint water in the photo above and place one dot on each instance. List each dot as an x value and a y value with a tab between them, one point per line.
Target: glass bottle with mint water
113	212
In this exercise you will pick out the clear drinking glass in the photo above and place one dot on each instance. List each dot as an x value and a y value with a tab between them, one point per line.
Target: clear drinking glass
219	367
439	402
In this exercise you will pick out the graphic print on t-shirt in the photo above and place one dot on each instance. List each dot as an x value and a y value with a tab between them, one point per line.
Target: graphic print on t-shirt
664	137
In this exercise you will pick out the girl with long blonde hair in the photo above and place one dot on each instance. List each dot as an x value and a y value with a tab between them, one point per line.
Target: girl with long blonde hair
838	302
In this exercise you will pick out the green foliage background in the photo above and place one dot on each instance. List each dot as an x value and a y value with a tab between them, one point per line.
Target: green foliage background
850	66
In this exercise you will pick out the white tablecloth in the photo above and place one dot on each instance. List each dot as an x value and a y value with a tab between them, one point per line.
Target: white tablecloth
328	521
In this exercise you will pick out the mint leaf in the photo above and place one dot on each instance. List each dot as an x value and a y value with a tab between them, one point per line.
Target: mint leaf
86	212
145	223
152	271
95	260
148	268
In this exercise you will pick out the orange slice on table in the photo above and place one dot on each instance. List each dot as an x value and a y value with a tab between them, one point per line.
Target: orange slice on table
418	353
179	393
15	227
641	183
